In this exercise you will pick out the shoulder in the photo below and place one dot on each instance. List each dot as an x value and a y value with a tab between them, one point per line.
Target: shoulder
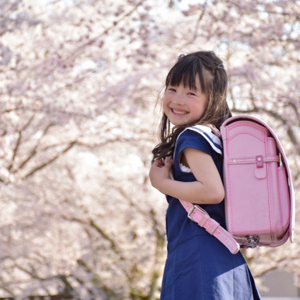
199	137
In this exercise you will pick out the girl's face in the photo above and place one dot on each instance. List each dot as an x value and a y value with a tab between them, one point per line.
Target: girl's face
183	105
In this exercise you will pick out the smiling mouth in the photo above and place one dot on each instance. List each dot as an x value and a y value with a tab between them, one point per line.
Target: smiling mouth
177	112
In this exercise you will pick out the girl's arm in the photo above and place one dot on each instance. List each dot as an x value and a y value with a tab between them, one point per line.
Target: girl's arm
208	189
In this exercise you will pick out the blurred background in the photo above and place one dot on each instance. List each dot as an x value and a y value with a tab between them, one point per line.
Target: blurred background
79	82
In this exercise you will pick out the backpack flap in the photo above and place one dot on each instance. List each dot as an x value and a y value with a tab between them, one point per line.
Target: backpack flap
259	199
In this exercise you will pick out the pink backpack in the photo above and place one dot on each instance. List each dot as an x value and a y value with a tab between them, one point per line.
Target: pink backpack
259	197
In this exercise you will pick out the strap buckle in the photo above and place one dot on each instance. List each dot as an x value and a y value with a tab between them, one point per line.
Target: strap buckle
192	211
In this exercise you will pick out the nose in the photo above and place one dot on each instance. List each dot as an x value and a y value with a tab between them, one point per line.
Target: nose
178	99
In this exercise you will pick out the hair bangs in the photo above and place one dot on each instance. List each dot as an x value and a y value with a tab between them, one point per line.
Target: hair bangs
188	74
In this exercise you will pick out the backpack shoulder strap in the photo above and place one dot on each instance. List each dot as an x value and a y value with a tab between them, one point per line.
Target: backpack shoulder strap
202	218
198	214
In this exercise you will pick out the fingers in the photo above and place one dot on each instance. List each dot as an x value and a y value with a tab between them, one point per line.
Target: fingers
168	162
158	163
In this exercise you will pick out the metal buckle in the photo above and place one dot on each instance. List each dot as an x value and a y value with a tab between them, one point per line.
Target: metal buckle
192	211
252	242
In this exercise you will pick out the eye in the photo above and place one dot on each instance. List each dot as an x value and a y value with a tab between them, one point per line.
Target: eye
191	93
171	89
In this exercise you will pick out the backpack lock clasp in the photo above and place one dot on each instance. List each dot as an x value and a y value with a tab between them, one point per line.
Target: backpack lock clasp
259	161
260	169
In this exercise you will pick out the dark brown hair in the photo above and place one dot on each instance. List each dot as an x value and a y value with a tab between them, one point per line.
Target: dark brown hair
206	66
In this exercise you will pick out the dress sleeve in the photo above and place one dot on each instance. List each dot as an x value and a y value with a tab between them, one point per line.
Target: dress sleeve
192	139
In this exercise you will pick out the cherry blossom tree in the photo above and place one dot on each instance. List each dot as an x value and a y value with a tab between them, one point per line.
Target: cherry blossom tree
78	85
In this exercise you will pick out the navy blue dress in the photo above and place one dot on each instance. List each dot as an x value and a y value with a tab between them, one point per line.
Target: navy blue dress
198	266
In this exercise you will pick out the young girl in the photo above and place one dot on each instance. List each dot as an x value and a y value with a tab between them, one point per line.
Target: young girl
198	266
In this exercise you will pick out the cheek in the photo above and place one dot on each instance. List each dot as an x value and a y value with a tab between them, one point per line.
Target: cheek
165	103
199	110
203	105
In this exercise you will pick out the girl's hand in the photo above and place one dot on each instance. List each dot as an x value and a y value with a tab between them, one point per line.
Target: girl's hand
206	189
160	172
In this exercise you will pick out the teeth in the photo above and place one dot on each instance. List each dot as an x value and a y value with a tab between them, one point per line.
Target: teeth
179	112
